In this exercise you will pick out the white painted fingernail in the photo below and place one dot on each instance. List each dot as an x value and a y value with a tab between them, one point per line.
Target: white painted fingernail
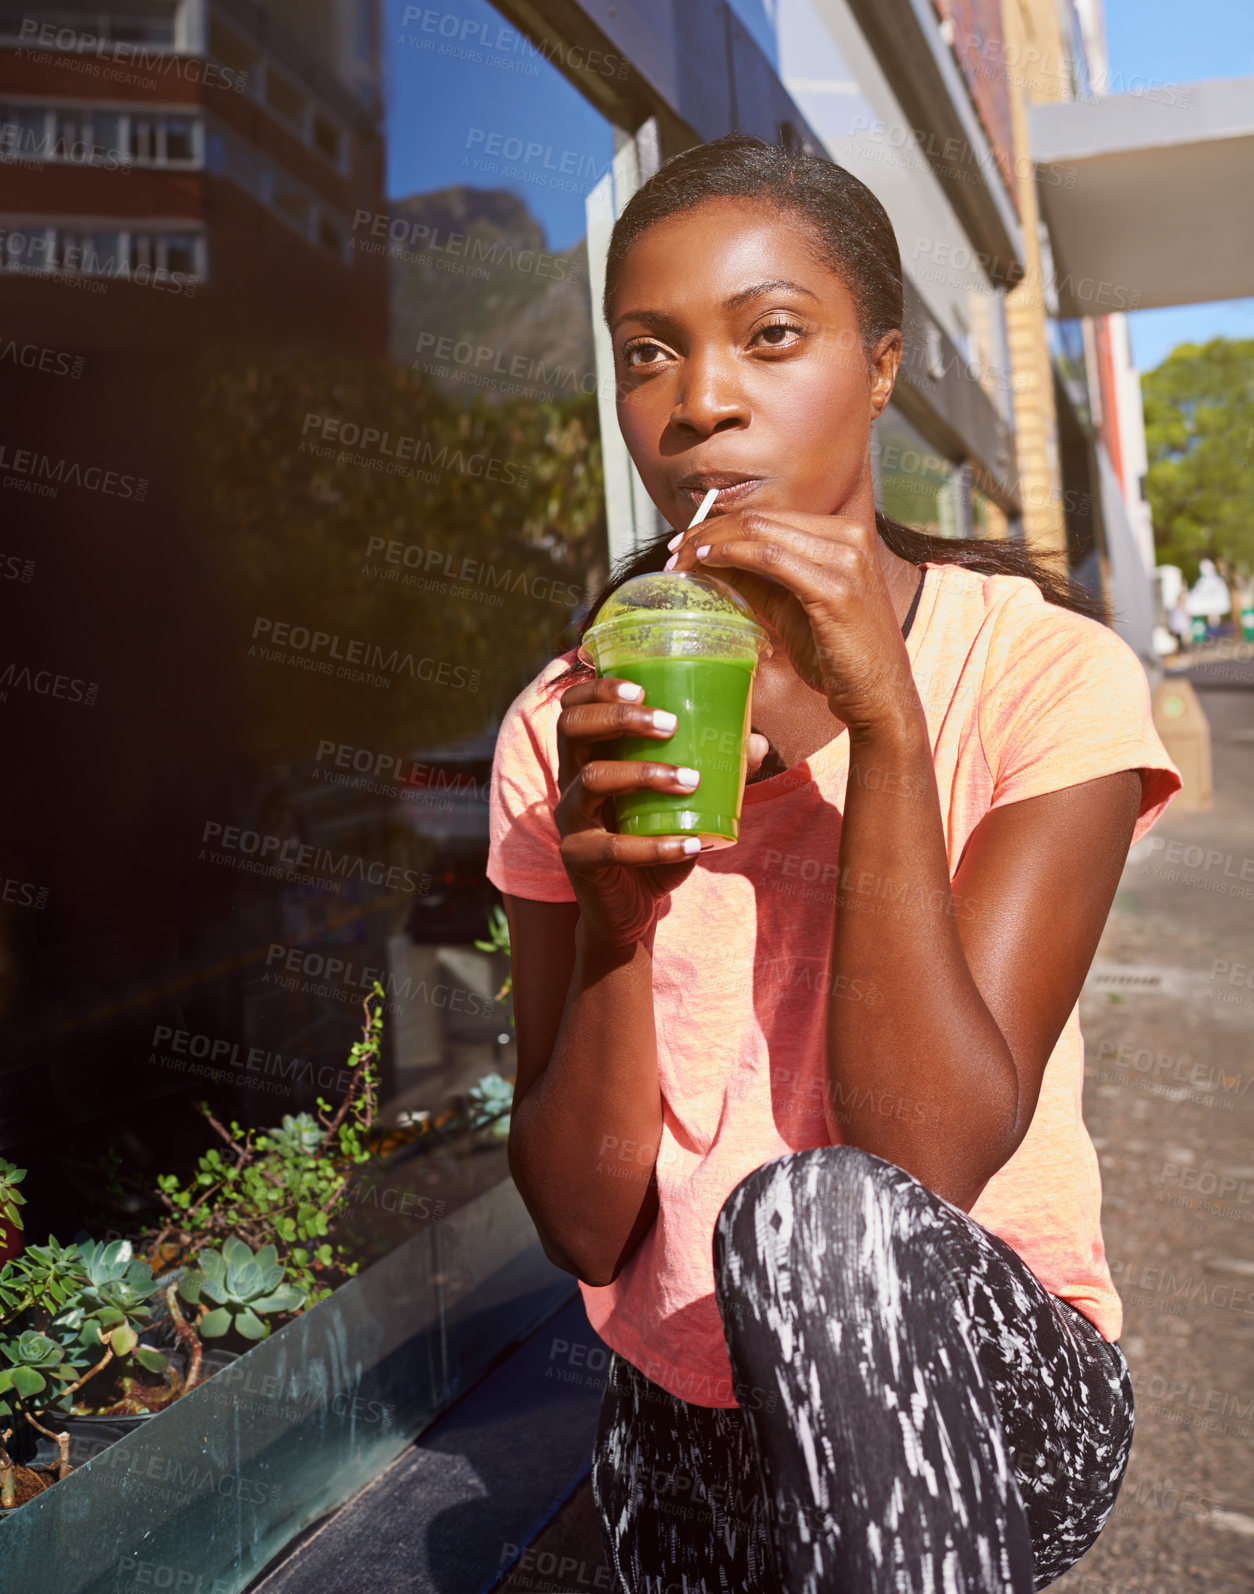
664	720
701	552
686	776
692	843
676	540
670	562
630	689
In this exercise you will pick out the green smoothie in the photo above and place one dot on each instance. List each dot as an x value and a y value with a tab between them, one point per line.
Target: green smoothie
693	643
710	698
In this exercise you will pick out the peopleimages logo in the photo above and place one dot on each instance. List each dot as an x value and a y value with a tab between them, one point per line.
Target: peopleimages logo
403	449
54	362
30	471
47	683
328	654
291	852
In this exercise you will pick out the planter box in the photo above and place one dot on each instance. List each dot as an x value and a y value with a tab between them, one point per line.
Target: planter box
202	1495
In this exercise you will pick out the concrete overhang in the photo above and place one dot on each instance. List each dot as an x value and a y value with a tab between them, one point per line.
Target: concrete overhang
1147	196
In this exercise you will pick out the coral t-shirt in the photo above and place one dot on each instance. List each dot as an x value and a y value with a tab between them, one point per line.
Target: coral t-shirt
1021	698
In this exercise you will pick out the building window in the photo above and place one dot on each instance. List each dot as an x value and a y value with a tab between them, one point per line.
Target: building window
104	251
161	140
326	137
154	23
282	194
285	99
330	236
293	202
91	135
919	486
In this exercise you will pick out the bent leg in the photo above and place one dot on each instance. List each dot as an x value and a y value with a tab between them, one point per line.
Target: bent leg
944	1422
677	1494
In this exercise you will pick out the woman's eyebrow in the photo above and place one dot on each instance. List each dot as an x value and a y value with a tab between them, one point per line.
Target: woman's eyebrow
776	285
659	318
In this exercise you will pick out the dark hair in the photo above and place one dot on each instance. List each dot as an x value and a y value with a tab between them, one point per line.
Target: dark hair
855	237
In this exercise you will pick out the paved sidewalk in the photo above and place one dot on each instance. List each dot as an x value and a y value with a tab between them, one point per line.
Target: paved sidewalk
1168	1018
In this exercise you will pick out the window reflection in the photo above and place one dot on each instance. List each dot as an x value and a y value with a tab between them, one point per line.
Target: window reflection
308	476
919	486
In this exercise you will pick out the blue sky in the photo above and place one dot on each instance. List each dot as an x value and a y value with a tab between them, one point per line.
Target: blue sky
1176	43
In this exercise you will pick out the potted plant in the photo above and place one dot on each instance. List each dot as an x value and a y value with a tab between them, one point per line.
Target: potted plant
96	1339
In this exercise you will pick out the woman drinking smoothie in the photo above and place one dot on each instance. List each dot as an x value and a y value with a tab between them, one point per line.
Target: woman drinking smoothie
802	1114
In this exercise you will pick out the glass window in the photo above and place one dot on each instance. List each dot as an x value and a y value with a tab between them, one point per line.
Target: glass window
24	130
988	519
25	248
180	253
89	254
284	97
106	131
293	202
919	486
143	139
180	138
326	509
326	137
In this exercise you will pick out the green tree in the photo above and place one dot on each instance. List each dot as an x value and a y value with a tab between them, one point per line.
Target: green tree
300	526
1199	435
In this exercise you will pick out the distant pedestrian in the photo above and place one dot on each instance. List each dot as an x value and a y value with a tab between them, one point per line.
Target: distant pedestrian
1180	625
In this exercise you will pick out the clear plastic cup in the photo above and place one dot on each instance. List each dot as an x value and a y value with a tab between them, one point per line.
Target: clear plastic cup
694	644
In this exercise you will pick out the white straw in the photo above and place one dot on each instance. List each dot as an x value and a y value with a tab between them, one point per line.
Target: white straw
704	510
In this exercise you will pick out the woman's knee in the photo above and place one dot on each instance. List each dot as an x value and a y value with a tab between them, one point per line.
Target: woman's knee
803	1202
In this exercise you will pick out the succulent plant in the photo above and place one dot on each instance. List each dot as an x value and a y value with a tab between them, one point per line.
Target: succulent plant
113	1304
33	1359
244	1288
302	1133
490	1103
44	1275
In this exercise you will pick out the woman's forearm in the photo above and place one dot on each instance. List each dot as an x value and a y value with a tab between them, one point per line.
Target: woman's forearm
584	1139
918	1071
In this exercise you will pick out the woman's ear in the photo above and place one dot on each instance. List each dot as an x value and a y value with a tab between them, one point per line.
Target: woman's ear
885	360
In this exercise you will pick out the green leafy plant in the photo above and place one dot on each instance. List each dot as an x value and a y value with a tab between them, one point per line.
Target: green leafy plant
282	1187
44	1277
498	941
1199	420
244	1289
10	1196
67	1313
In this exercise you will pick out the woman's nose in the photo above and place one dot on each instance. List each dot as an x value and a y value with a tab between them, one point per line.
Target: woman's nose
711	398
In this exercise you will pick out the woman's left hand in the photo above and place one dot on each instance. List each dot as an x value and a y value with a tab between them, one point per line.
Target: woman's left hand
817	582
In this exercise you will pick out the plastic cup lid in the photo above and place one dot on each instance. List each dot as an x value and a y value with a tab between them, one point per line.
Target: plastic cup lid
696	600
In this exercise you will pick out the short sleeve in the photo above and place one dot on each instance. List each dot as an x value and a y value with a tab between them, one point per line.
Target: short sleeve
1066	700
524	848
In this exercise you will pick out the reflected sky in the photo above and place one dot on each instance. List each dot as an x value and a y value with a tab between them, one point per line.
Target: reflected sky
456	74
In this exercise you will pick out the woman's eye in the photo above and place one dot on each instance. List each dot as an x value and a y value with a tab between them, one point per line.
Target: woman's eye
646	351
779	334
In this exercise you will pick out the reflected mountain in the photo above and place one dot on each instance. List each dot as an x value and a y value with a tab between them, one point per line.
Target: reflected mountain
480	304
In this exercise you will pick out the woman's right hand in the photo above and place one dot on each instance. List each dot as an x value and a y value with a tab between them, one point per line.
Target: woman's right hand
619	880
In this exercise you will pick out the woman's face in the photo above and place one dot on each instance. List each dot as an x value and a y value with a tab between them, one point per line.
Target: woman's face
740	365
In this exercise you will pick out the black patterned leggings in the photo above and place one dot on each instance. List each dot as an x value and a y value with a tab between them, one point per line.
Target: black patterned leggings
918	1415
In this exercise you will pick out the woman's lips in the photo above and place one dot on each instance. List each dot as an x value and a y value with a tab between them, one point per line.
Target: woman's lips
731	494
